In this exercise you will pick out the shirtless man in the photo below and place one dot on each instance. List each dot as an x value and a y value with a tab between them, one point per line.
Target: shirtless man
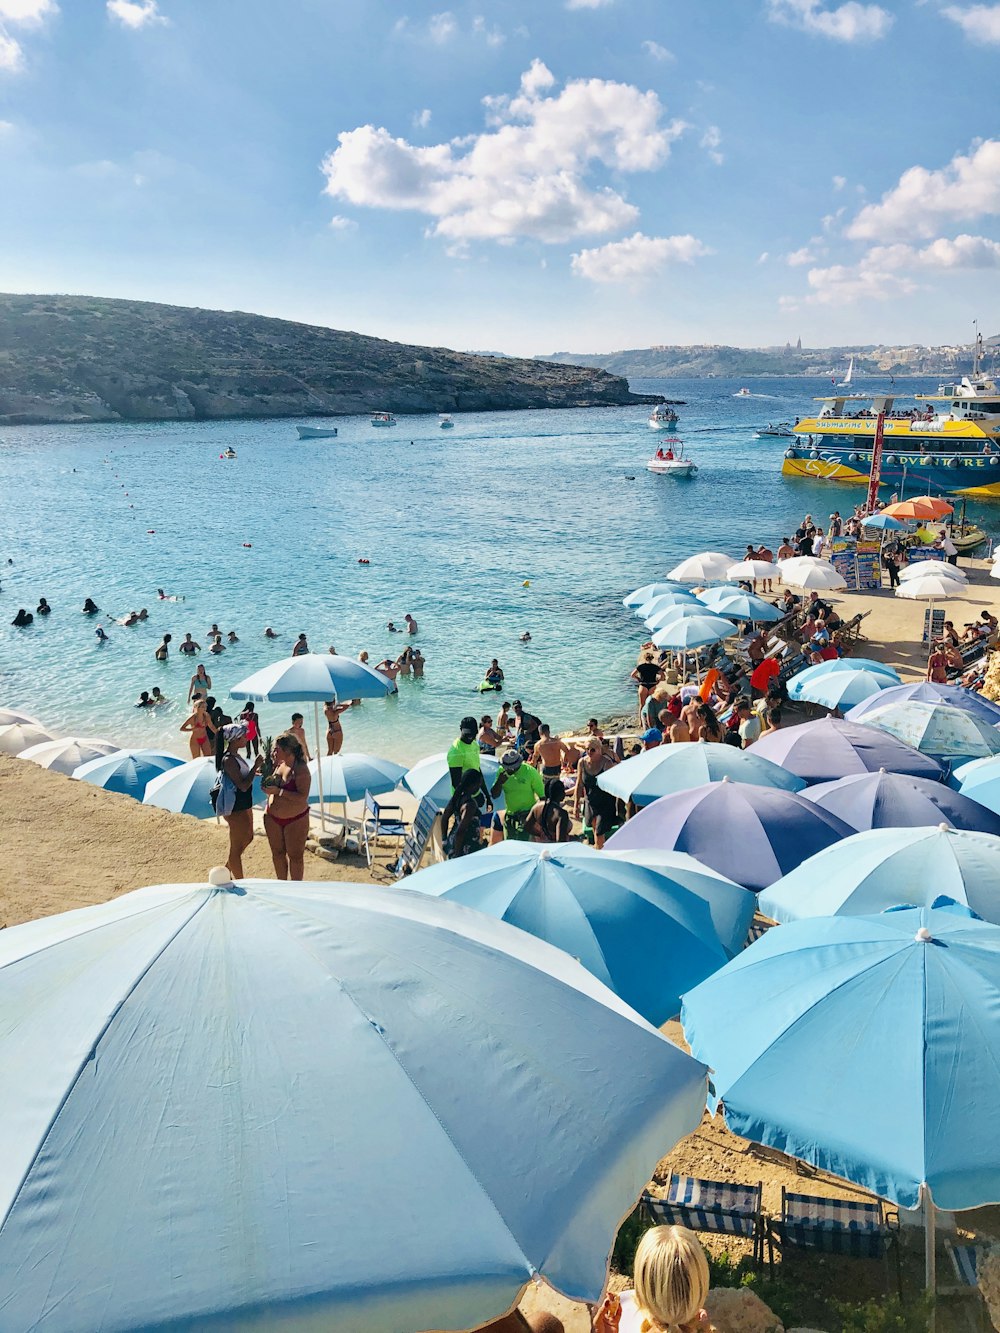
679	730
549	754
765	553
411	624
785	551
299	732
387	667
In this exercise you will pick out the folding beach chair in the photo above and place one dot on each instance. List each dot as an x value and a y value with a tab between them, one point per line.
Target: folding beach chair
965	1263
381	821
718	1206
855	1227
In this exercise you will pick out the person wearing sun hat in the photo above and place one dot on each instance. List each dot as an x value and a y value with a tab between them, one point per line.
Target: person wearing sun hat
522	785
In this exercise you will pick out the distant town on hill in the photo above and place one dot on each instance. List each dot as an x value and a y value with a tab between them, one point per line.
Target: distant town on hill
793	359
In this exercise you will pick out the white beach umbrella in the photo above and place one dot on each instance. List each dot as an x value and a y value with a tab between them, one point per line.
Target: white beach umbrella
10	716
934	587
69	753
17	736
797	563
940	567
820	576
754	569
705	567
236	1085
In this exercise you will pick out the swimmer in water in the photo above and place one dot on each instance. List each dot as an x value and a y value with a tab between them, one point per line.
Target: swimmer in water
43	608
301	649
525	637
392	628
158	697
270	634
417	661
188	645
389	668
90	607
297	729
232	636
143	614
164	648
144	700
214	632
217	645
101	636
411	624
334	729
23	618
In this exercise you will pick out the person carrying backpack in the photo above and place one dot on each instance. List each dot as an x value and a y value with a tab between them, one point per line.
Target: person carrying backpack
232	794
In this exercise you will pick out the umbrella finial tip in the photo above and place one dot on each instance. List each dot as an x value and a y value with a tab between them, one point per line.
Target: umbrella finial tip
220	875
944	828
726	777
924	936
544	854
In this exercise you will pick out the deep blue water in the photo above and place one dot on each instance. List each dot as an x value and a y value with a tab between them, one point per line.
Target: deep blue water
453	523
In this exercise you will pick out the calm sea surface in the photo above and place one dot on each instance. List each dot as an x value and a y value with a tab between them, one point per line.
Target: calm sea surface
453	523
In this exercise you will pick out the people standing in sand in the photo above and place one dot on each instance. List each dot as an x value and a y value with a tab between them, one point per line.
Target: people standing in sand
188	645
549	753
198	727
251	719
286	819
648	674
164	648
235	799
766	554
710	728
503	719
937	665
201	683
526	726
333	712
301	646
297	729
600	808
522	786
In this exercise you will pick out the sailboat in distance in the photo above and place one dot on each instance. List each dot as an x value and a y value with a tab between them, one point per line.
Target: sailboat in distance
845	383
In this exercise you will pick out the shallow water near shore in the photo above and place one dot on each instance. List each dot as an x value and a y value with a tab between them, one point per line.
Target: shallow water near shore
453	522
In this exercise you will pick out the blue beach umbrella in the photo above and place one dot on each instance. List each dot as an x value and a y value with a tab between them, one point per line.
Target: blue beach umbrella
979	781
185	789
634	928
648	591
695	632
842	689
753	835
867	1046
664	602
883	523
128	772
840	664
744	606
675	768
833	748
346	777
719	592
669	615
224	1079
927	692
894	800
884	867
429	777
939	730
312	678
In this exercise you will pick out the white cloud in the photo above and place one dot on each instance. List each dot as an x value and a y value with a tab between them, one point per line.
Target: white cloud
6	127
849	22
492	36
968	187
798	258
338	223
763	257
981	23
25	14
886	271
524	176
710	141
135	13
421	119
442	27
839	182
11	53
587	4
636	257
658	52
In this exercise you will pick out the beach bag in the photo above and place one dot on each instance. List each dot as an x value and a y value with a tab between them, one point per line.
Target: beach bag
223	795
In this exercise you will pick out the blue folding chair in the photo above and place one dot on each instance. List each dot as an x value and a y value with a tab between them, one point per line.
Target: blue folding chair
718	1206
381	821
857	1227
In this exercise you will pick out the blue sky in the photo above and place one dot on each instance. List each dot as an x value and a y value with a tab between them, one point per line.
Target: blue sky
529	177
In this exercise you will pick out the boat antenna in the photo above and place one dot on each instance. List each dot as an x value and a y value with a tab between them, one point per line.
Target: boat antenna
977	354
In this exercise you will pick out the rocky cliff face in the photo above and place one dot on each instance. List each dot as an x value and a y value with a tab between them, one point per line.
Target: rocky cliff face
78	358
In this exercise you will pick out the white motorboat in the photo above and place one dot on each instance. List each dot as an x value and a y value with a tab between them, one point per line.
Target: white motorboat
781	429
742	393
446	422
229	453
670	462
662	415
383	419
316	432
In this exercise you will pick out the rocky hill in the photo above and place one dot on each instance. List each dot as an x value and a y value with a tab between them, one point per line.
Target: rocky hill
83	358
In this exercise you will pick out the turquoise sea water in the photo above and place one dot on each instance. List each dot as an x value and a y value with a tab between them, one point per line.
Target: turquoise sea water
453	522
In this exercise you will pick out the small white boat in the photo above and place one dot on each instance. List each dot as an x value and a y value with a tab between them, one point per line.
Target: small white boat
662	415
742	393
383	419
670	462
781	429
316	432
446	422
229	453
845	383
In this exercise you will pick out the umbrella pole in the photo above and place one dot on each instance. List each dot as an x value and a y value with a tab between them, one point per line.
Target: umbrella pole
930	1248
319	768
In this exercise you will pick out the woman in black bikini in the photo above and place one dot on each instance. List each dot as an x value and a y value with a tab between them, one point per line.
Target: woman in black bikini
601	808
547	820
228	743
286	820
334	730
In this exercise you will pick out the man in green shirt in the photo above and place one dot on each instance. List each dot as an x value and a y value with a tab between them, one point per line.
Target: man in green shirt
522	786
463	756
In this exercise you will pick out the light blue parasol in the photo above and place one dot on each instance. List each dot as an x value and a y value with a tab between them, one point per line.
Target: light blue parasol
648	591
695	632
745	606
675	768
185	789
128	772
841	689
929	692
948	734
346	777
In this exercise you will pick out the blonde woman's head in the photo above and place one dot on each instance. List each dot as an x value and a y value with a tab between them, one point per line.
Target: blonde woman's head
671	1277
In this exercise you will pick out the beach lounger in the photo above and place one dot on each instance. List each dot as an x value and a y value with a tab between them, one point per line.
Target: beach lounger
718	1206
381	821
857	1227
965	1262
850	631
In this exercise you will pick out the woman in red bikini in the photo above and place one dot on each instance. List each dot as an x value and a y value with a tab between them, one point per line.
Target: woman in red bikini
286	820
199	725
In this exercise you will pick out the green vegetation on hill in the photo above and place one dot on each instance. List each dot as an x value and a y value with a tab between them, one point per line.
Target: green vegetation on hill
84	358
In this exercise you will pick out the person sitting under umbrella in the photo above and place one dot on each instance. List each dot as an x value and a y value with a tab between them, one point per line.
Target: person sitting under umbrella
671	1287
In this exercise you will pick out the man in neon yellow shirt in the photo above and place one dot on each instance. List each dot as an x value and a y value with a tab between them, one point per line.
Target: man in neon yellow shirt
522	786
463	756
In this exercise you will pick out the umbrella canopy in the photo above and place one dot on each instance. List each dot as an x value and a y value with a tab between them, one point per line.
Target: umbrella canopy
185	789
669	615
744	606
647	592
945	733
312	678
940	567
346	777
664	602
867	1045
922	506
934	587
430	777
18	736
66	755
894	800
927	692
634	928
706	567
753	569
719	592
753	835
233	1084
731	907
669	769
840	664
834	748
818	575
841	689
883	522
13	715
980	782
693	632
128	772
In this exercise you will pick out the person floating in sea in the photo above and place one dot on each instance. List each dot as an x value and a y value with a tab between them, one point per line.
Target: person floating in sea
494	675
232	636
392	628
102	638
158	697
270	634
144	700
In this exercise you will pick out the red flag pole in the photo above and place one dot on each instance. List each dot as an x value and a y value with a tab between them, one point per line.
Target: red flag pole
875	475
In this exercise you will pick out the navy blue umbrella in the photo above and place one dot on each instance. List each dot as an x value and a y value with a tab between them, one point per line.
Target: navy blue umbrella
896	800
752	834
